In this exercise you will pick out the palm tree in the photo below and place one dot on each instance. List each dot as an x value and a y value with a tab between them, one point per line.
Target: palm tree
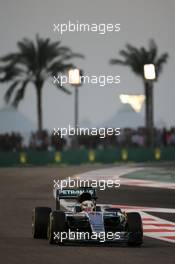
34	62
136	58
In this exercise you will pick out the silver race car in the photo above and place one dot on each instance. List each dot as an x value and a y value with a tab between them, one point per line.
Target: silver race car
85	221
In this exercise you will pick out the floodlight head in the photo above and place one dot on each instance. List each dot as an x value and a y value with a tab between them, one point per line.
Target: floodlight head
149	72
74	76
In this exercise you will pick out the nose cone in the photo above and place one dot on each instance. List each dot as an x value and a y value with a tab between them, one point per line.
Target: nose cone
96	222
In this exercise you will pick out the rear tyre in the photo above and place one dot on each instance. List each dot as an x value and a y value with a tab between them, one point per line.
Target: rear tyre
40	219
135	229
57	224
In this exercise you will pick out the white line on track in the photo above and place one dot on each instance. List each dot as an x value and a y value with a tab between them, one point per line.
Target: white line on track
116	173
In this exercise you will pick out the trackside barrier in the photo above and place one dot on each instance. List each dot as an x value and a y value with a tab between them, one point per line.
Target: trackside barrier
108	155
23	157
58	157
124	154
157	154
91	156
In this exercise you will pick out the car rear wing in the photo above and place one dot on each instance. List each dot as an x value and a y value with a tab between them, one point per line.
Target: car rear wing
71	193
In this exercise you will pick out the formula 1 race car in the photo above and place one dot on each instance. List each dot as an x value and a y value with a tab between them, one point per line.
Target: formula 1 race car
85	221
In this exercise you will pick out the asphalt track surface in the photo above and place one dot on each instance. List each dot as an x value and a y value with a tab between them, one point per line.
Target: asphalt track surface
21	189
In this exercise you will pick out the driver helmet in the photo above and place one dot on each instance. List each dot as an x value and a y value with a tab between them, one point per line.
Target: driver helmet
88	206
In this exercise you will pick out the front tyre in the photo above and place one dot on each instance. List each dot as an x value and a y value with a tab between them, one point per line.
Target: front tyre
40	219
57	224
135	229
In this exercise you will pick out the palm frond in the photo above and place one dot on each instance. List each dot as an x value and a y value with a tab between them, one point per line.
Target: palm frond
9	57
153	51
63	89
160	61
58	67
20	94
136	58
34	61
124	53
10	91
10	73
116	61
131	48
